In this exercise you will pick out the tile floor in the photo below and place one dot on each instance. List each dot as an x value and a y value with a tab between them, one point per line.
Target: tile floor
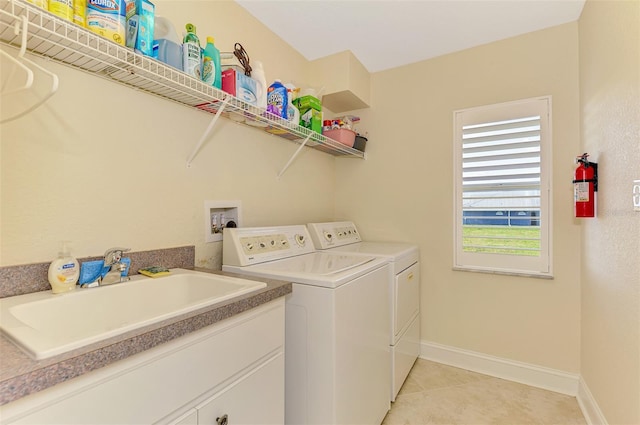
438	394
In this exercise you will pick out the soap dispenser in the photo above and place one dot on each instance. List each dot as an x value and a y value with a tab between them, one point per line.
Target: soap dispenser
63	271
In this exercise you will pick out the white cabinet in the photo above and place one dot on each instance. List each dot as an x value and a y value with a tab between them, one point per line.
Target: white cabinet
235	366
189	418
253	399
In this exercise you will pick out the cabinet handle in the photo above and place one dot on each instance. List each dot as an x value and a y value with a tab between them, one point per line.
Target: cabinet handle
410	276
222	420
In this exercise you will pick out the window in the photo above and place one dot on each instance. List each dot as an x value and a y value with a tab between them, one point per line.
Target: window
502	166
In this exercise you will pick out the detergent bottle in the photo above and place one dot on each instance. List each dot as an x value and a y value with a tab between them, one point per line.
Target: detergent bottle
277	99
257	73
211	73
191	63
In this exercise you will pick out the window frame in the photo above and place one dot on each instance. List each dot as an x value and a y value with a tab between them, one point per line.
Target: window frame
532	266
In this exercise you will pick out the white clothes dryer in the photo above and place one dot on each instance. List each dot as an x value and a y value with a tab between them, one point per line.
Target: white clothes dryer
403	286
337	336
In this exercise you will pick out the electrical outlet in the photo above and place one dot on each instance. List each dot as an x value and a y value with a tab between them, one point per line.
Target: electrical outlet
636	195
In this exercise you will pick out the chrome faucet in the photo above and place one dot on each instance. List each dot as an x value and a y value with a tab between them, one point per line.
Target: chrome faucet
112	258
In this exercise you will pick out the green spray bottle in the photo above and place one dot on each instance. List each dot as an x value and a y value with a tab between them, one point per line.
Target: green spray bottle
191	52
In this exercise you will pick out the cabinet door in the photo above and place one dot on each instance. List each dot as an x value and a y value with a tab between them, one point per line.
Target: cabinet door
407	295
189	418
255	398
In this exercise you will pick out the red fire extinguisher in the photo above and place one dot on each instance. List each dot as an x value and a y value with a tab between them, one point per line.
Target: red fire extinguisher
585	184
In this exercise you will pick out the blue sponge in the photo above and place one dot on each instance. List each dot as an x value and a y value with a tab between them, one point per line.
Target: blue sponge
90	271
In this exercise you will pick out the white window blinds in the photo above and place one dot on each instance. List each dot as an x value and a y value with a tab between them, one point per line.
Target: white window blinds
501	187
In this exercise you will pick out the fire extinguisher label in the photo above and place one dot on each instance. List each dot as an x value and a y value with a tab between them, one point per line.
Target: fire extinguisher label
581	192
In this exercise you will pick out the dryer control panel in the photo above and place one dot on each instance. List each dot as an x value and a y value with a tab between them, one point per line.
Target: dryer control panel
243	246
333	234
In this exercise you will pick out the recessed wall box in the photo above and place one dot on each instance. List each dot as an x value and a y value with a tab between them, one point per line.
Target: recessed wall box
218	215
346	82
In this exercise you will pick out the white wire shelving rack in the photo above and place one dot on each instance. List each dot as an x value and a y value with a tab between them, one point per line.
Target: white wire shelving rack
64	42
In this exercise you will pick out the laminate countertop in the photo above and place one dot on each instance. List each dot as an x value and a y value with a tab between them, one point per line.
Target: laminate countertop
21	375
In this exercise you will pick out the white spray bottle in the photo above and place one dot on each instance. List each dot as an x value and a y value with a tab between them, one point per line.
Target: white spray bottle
293	113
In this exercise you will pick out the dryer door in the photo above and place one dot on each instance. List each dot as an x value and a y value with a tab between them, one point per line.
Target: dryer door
407	298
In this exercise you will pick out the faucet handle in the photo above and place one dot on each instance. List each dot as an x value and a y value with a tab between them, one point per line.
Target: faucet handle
114	255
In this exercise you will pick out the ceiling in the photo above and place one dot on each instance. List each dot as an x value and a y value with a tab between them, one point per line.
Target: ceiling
385	34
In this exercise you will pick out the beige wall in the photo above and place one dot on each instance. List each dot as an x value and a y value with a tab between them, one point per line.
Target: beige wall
610	110
103	165
404	191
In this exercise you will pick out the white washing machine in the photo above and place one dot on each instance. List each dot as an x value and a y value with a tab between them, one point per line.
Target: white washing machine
337	334
403	286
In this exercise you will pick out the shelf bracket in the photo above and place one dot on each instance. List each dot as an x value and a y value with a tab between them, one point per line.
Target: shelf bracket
295	154
208	130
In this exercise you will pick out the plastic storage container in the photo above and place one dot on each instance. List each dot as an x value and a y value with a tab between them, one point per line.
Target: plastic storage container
360	143
342	135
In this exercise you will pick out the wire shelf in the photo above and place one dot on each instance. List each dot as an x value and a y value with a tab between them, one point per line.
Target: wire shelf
69	44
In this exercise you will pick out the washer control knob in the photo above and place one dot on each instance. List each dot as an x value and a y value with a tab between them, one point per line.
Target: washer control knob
300	240
328	236
249	246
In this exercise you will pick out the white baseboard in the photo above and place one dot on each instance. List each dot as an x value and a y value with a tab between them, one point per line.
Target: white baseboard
588	405
524	373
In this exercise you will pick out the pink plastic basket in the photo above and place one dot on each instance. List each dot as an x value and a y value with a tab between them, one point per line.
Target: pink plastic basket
342	135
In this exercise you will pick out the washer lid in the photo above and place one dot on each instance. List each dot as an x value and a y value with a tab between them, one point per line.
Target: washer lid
325	269
319	263
391	250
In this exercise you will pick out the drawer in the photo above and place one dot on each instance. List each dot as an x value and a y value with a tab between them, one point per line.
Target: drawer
257	398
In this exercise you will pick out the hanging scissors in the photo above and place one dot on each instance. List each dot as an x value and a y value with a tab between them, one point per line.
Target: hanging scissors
243	57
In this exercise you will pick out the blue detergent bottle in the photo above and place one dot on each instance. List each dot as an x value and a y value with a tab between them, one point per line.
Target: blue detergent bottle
211	73
277	99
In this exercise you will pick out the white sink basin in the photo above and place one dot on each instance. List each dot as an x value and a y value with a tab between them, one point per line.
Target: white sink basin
44	324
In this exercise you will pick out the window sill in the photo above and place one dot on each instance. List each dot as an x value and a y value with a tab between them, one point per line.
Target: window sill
504	272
